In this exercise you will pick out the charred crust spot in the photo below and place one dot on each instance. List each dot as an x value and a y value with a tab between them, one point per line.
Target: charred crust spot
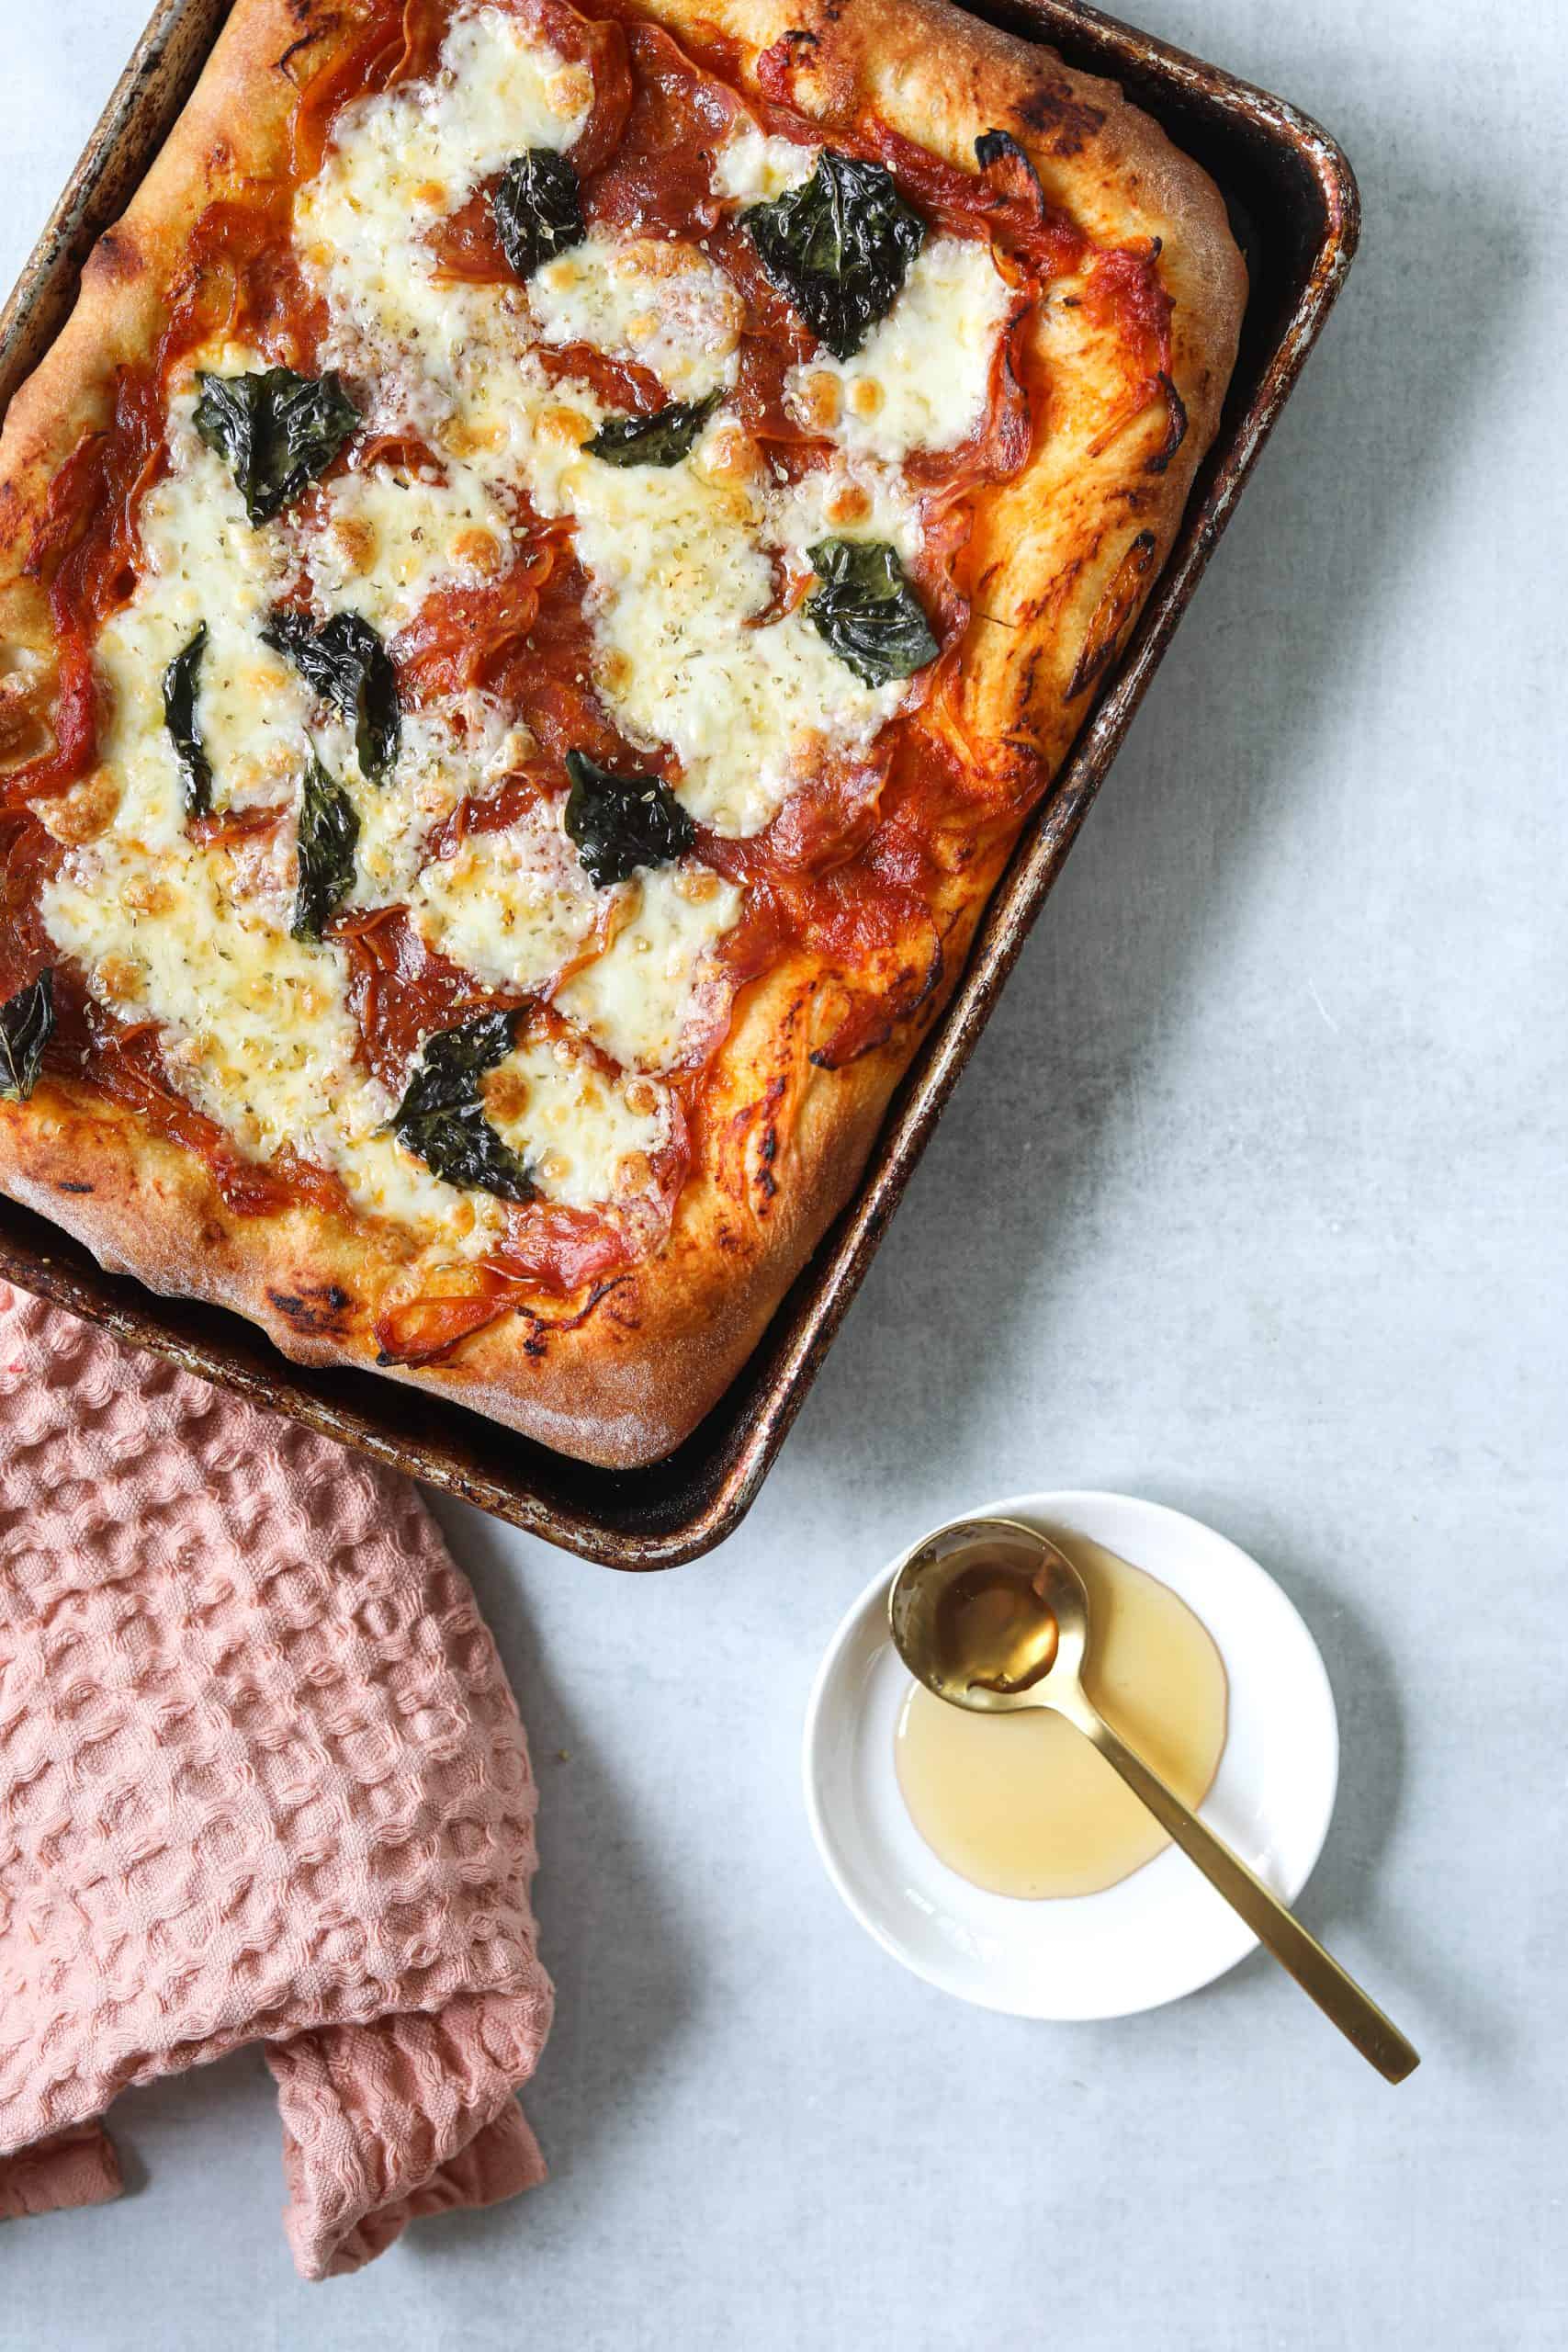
115	258
1176	423
64	1186
1063	121
1112	613
307	38
315	1308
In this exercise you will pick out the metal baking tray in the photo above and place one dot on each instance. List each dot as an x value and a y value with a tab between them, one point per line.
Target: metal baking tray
1295	211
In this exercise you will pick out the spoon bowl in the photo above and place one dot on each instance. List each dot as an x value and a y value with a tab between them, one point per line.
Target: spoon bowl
990	1616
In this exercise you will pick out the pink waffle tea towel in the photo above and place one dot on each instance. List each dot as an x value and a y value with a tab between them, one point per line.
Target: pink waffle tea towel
261	1779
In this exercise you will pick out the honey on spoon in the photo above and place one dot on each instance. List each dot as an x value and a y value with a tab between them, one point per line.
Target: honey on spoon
992	1618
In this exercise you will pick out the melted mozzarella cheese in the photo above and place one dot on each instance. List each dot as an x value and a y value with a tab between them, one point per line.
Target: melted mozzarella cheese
513	906
260	1035
403	161
387	538
499	90
678	560
679	577
446	755
257	1032
587	1137
921	378
754	168
654	300
850	498
644	998
202	562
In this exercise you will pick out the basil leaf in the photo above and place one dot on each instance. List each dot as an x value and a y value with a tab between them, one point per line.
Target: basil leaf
27	1024
441	1118
838	248
537	209
621	822
277	431
180	682
867	611
329	828
345	663
662	439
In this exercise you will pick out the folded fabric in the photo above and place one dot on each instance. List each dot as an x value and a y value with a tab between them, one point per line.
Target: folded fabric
261	1779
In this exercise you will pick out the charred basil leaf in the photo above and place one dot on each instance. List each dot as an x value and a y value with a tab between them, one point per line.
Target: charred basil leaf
998	151
277	431
27	1021
662	439
345	663
838	248
537	209
180	680
621	822
867	610
329	828
441	1118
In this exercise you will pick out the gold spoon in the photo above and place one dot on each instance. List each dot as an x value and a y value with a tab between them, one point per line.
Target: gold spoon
990	1616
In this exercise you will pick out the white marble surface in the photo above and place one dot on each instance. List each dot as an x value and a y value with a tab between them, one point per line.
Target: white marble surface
1251	1201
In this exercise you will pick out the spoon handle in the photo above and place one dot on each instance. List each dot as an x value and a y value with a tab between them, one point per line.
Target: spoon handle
1337	1995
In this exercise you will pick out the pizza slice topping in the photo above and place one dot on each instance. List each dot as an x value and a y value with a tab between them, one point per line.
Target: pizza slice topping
180	680
346	665
838	248
623	823
442	1119
662	439
660	302
27	1024
921	379
278	430
536	210
328	830
867	611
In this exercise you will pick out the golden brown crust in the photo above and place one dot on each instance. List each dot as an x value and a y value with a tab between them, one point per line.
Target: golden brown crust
1065	553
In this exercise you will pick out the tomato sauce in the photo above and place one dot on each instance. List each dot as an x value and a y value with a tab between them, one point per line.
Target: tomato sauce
849	871
659	181
401	989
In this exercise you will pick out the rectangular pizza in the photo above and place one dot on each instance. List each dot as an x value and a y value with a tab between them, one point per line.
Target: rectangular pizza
537	586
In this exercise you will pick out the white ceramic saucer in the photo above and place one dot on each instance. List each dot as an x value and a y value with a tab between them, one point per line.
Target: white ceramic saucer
1163	1931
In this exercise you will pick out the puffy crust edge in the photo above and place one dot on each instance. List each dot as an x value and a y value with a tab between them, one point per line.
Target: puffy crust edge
787	1140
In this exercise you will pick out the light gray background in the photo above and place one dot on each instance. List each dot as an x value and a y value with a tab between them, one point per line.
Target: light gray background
1251	1201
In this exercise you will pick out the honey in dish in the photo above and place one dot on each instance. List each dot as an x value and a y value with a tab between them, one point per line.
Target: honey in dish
1022	1804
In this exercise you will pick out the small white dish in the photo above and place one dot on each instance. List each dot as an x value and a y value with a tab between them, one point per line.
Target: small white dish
1160	1933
